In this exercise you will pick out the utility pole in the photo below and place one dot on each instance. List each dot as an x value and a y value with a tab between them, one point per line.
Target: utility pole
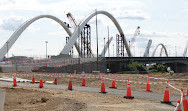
97	43
7	48
113	50
175	51
104	46
46	49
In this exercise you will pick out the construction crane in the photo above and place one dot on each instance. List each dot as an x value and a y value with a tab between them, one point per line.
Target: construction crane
74	25
72	20
133	39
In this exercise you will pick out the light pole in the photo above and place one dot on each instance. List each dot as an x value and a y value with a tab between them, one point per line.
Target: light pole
7	48
175	51
46	49
113	50
104	46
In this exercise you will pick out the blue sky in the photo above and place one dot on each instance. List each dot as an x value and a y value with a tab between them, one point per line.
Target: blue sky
163	21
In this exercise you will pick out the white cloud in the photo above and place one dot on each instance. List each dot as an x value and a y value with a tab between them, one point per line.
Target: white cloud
11	23
133	15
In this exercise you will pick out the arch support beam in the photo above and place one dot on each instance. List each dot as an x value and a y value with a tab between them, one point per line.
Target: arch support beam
163	48
19	31
80	27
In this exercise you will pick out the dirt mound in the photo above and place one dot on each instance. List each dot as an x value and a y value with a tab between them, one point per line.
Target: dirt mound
30	99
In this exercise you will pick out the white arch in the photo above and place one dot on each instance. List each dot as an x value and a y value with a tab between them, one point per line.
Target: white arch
19	31
163	48
80	27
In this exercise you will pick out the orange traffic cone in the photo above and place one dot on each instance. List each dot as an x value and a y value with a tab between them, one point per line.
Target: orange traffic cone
70	84
128	94
184	101
102	85
166	98
55	81
113	83
185	104
84	80
178	108
40	83
148	85
14	80
33	79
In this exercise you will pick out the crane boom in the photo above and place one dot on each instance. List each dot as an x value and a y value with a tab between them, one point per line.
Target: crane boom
74	25
72	20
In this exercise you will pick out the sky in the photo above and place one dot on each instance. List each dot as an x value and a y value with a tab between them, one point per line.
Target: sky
163	21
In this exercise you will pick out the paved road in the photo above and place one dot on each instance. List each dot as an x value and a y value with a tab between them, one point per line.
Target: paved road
153	96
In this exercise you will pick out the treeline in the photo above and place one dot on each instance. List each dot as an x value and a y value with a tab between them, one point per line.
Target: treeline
136	66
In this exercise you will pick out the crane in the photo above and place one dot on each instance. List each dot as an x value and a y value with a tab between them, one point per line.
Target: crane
72	20
74	24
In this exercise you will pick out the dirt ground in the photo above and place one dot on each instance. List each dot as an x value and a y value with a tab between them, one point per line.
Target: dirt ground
19	99
34	99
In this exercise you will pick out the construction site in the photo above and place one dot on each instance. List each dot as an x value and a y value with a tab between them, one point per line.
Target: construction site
80	78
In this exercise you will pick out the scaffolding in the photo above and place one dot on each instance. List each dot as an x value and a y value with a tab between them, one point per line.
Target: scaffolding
86	42
119	46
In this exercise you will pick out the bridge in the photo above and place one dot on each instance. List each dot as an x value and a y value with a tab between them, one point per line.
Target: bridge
178	64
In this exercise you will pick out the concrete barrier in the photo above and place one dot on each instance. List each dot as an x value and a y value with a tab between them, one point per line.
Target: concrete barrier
2	99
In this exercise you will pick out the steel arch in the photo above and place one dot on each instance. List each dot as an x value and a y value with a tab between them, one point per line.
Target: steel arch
163	48
80	27
19	31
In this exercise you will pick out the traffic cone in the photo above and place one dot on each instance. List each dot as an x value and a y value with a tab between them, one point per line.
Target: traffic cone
166	98
40	83
184	101
178	108
55	81
113	83
84	80
185	104
14	80
70	84
128	94
33	79
102	85
148	85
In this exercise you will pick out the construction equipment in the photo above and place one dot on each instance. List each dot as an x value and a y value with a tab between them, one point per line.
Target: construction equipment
72	20
74	25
